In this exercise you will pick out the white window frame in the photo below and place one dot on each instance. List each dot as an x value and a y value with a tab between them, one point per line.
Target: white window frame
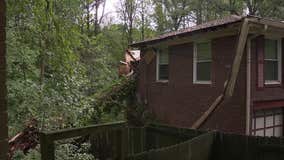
158	64
265	114
195	81
279	59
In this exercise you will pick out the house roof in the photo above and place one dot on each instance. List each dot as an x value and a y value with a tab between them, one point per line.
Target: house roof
210	24
198	28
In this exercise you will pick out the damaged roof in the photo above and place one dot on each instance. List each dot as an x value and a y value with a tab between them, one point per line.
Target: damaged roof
210	24
198	28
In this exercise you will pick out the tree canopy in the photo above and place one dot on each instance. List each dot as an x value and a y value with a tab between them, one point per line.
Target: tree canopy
63	54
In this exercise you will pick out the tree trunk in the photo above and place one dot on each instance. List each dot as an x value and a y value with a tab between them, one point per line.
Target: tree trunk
3	89
88	17
143	26
96	21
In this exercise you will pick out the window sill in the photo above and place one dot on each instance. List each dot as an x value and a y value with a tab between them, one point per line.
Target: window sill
203	82
272	84
162	81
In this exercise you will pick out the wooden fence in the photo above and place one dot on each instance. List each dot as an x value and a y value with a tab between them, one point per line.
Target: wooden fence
162	142
240	147
47	139
190	145
198	148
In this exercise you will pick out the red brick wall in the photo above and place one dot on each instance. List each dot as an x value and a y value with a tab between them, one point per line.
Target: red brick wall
180	102
3	93
264	93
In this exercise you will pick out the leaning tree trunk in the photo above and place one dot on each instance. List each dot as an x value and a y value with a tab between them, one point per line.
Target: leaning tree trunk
3	89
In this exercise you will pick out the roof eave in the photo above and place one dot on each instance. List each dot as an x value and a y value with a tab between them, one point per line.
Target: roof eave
252	19
157	40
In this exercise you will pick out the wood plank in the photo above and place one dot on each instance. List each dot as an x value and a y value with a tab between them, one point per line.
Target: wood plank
238	58
78	132
206	114
230	84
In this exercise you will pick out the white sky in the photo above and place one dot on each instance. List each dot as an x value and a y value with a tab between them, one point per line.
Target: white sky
110	11
110	5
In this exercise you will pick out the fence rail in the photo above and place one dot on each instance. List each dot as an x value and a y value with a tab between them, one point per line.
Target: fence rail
158	142
47	139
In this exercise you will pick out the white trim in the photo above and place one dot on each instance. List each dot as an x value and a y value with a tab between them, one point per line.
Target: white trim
195	81
279	60
157	68
157	65
194	62
268	82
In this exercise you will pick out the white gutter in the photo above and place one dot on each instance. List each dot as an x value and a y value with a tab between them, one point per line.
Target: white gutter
248	87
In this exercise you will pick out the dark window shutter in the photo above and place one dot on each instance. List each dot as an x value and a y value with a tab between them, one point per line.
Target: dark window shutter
260	61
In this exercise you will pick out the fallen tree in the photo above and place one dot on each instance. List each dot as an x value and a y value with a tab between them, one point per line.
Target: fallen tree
26	140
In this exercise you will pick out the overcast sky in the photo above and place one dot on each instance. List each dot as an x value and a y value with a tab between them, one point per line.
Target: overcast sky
110	5
110	10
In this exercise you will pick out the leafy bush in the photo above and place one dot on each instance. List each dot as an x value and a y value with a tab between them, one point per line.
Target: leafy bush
32	155
73	152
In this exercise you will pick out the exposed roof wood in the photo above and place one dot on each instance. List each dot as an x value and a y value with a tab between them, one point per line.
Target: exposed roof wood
129	53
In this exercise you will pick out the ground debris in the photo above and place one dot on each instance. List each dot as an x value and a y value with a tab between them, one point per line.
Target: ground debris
25	140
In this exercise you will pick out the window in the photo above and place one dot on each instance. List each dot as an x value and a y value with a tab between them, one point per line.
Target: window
162	65
267	123
202	63
272	61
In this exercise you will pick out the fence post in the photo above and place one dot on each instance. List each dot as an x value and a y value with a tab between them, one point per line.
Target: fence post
47	148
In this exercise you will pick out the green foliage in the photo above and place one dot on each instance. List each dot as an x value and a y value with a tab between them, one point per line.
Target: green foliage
32	155
72	152
62	68
55	68
114	99
63	152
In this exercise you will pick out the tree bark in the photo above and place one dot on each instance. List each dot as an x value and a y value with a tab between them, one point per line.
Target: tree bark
3	89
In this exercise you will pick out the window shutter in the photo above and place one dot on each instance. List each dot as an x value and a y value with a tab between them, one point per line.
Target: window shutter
260	61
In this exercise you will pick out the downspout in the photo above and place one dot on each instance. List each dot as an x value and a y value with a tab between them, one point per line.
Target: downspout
248	88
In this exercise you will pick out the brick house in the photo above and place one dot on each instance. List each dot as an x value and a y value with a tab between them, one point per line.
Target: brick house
222	75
